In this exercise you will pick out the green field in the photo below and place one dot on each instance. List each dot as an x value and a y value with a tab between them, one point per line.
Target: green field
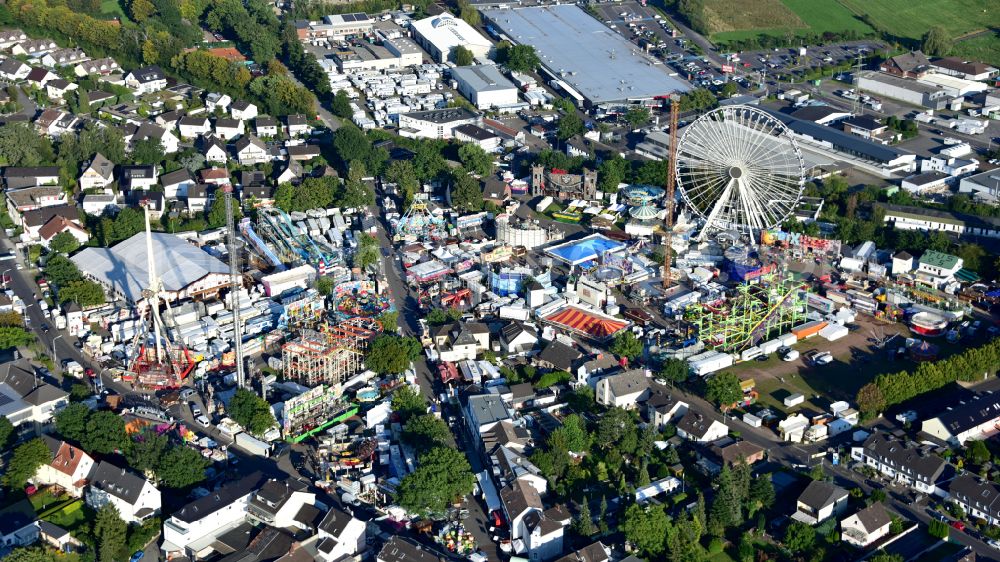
814	16
984	48
112	8
911	19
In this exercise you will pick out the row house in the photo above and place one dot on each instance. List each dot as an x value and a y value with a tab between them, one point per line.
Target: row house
10	37
979	498
904	462
33	47
64	57
103	67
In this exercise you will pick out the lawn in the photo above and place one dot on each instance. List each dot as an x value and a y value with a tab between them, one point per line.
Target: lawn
985	48
807	16
70	516
112	8
734	15
906	18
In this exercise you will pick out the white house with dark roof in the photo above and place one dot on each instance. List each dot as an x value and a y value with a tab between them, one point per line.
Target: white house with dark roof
214	150
175	184
972	419
696	426
662	405
297	125
227	128
146	80
28	403
483	412
401	549
979	498
517	337
820	501
69	468
278	503
103	66
265	127
243	110
250	151
339	535
192	530
866	526
192	126
135	497
908	463
17	524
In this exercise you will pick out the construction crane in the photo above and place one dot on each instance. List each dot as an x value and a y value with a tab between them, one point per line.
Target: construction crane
234	286
675	105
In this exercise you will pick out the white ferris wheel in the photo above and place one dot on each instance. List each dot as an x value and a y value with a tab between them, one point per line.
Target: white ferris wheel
740	170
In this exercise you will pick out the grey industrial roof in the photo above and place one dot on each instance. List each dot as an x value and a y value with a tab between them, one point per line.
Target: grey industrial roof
123	267
899	82
483	78
591	58
839	139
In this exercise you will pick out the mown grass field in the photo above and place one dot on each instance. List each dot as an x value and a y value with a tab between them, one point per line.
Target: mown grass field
112	8
985	48
795	17
723	16
909	18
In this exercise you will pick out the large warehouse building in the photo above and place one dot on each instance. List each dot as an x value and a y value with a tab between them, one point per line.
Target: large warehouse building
904	89
184	269
484	86
440	35
590	62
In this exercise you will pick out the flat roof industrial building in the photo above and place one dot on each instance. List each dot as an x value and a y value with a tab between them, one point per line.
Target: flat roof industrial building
595	64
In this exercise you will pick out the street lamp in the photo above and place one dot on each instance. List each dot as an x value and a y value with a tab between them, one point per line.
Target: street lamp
55	356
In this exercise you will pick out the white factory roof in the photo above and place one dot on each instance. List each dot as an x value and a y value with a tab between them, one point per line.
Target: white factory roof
124	267
447	32
483	78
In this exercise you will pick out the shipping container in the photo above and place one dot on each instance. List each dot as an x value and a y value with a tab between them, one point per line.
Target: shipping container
808	329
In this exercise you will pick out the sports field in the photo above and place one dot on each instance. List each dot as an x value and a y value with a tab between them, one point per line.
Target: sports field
780	18
912	18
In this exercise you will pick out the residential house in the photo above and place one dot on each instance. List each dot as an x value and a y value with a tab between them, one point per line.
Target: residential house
908	463
198	196
728	451
596	552
176	183
214	100
228	129
243	110
138	177
11	37
663	406
14	70
97	203
510	462
483	412
558	356
623	390
58	88
98	174
820	501
97	97
938	269
168	141
866	526
20	201
517	338
597	366
973	419
340	535
266	127
291	173
135	497
17	525
69	468
867	128
478	136
57	225
979	498
297	125
260	195
302	152
30	47
461	340
55	122
967	70
496	191
251	151
28	403
64	57
153	201
39	77
146	80
909	65
214	176
401	549
532	531
191	126
546	531
696	426
102	66
191	531
278	502
169	119
214	150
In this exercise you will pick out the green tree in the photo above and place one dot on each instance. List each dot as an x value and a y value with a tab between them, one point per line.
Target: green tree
402	173
883	556
340	105
583	525
251	411
761	494
572	435
799	537
61	270
674	370
617	429
324	285
12	336
105	433
407	403
6	432
86	293
466	194
443	476
144	453
569	126
938	529
25	462
147	151
612	172
726	508
79	392
519	58
181	467
724	389
389	321
647	528
390	354
215	216
627	345
110	534
425	432
462	56
367	252
729	89
637	117
976	451
71	422
20	145
283	196
936	42
437	317
64	243
475	159
870	400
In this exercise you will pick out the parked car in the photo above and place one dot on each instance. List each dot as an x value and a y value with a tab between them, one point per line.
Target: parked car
137	556
201	420
958	525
